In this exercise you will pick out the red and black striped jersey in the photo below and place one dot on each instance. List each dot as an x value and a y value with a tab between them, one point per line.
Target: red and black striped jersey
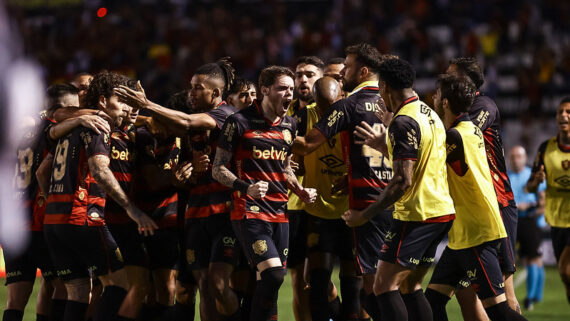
208	197
368	170
260	149
485	115
122	158
34	148
158	199
74	195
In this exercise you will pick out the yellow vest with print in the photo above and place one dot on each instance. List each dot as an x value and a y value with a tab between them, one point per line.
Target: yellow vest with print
428	196
557	167
323	167
477	216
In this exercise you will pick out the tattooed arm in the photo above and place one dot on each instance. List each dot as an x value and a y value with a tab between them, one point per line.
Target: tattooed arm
222	174
99	168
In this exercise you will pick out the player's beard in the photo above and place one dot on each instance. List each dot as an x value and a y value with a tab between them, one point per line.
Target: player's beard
348	85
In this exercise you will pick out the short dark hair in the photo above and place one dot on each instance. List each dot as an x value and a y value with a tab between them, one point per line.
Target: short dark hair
54	92
459	90
269	75
470	67
366	55
335	61
179	101
103	84
311	60
221	69
397	73
238	85
565	100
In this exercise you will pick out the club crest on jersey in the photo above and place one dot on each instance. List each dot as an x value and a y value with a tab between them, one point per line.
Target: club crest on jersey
190	256
86	137
259	247
287	137
566	164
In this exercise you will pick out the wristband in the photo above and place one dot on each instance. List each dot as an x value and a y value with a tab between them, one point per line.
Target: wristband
241	186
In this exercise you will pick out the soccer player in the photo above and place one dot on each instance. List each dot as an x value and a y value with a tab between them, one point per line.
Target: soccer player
326	231
485	114
241	93
75	230
257	142
423	208
552	163
21	269
211	250
307	71
333	67
530	208
368	170
478	227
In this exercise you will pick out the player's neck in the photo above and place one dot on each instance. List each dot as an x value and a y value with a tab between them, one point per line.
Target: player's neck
448	119
564	137
269	111
399	97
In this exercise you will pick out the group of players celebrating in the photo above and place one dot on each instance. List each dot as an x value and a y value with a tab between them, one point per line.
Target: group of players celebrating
228	186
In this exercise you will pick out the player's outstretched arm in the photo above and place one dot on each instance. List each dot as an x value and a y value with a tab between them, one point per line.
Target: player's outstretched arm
307	195
177	121
308	144
396	188
222	174
98	124
99	168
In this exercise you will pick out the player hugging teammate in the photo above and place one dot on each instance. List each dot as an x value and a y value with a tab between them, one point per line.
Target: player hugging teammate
220	191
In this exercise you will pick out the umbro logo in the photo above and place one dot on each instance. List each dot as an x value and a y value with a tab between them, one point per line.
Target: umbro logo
331	161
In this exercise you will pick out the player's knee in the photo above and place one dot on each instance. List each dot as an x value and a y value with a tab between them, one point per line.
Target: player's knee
78	290
273	277
217	285
18	295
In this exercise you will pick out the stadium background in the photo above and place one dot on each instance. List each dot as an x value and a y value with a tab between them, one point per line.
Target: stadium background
523	45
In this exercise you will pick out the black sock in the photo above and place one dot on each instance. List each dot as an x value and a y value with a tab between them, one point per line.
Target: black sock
502	312
111	301
57	310
418	306
41	317
246	306
391	306
350	291
370	304
13	315
318	298
75	311
265	297
183	312
437	301
334	308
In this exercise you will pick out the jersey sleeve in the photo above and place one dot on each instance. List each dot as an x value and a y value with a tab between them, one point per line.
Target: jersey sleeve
456	152
220	115
406	136
231	133
336	120
95	144
486	113
539	160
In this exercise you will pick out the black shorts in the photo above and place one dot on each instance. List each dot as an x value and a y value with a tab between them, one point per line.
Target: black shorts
261	240
76	249
560	239
210	239
528	236
330	236
507	248
368	240
413	244
158	251
297	238
477	265
35	256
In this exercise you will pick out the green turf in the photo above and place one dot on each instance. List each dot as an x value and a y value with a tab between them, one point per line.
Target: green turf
554	306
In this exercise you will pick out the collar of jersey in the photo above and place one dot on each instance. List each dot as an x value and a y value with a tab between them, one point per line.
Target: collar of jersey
405	102
370	83
260	112
461	117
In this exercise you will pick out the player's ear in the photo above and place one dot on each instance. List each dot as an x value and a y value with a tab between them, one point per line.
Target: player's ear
217	92
102	102
265	90
445	103
364	71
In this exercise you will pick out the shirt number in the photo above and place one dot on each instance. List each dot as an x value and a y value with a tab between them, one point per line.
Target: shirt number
60	160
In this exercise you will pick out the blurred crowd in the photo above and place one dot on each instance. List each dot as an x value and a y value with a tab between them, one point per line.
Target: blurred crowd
524	45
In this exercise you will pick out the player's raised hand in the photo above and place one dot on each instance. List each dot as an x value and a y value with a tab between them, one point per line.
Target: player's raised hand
307	195
258	190
373	138
146	225
382	113
354	218
98	124
183	172
539	176
201	162
133	98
